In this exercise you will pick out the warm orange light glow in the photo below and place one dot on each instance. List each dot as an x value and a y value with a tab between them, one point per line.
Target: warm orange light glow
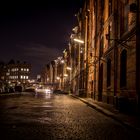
78	40
65	75
57	78
68	68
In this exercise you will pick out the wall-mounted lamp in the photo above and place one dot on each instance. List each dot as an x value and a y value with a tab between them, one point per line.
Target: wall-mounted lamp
78	40
65	75
58	78
68	68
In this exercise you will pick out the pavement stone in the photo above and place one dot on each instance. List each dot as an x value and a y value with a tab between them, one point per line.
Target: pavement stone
129	120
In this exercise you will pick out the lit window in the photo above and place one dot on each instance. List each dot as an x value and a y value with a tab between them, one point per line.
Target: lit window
21	77
7	73
27	77
21	69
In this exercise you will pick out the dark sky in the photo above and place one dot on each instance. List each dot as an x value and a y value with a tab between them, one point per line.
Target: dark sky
36	32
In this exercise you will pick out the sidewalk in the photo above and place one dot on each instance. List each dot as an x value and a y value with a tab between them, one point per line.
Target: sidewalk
131	120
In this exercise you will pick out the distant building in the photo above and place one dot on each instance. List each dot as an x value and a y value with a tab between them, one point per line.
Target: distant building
16	73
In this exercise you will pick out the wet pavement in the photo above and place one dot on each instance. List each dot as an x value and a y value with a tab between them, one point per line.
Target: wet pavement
52	117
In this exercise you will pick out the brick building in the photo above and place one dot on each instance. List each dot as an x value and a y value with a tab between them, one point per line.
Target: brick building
109	66
110	31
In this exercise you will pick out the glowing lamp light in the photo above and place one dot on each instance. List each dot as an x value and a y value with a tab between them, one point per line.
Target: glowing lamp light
65	75
68	68
57	78
78	40
62	61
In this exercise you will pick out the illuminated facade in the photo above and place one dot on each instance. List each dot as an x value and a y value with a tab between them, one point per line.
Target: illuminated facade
16	74
106	67
110	30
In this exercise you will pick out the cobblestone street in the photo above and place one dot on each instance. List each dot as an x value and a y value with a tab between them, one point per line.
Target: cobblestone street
52	117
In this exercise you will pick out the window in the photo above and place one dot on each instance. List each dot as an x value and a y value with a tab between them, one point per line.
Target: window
108	72
7	73
110	8
124	16
123	68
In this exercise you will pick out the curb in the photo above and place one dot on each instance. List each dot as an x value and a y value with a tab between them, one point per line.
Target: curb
11	94
107	113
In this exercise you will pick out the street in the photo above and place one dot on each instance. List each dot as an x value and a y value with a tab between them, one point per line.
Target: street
51	116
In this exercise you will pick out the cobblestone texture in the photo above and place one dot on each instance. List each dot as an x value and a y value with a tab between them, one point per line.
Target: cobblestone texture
55	117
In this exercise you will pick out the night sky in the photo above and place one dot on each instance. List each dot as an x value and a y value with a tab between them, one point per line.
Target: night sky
36	32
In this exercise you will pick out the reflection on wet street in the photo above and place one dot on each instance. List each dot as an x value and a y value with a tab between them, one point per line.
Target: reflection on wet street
43	95
40	116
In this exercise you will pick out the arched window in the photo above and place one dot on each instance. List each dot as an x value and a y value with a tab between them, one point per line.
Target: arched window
110	8
108	72
123	68
124	16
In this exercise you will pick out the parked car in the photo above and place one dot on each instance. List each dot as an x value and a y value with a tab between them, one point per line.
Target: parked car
30	89
43	90
6	89
11	89
1	90
18	88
